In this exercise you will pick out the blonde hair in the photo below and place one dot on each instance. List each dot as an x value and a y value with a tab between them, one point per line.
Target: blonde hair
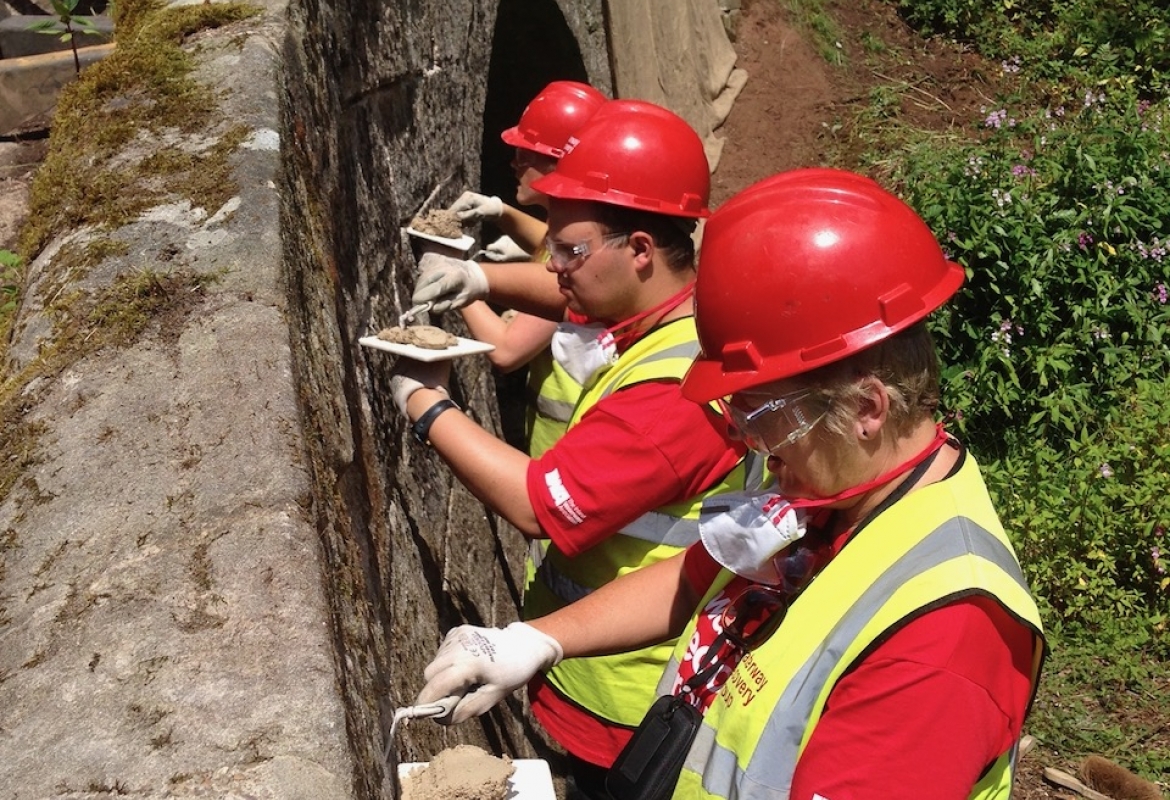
907	366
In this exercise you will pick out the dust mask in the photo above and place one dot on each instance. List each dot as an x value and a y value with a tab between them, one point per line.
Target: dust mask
746	531
583	350
743	531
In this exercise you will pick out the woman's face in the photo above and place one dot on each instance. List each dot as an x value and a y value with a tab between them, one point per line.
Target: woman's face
528	166
784	421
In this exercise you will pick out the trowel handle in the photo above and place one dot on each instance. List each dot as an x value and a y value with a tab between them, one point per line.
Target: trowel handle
440	710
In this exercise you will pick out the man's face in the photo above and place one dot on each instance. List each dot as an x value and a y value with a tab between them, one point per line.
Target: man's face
528	166
593	269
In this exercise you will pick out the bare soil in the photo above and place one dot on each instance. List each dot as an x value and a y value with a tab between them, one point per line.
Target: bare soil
798	109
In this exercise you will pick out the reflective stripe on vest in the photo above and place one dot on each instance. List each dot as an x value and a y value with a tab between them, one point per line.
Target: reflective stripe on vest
817	642
552	395
619	688
558	410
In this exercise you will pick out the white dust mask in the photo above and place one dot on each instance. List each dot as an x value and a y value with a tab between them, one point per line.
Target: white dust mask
744	531
583	350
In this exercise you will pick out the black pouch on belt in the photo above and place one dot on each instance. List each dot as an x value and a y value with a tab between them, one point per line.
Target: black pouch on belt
649	765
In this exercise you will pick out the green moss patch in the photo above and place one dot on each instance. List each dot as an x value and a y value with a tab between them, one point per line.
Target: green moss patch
142	93
136	130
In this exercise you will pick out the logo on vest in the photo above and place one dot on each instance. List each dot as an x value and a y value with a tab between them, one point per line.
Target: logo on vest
561	497
743	685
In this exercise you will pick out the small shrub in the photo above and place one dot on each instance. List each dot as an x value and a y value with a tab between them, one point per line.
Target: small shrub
1090	518
1125	42
1059	217
10	281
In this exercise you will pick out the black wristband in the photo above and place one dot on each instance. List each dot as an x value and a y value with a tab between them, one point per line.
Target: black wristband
422	426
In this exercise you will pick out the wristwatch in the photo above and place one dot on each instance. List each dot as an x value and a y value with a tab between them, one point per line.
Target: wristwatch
422	426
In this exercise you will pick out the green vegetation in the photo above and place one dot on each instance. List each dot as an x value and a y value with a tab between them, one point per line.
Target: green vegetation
10	276
121	143
820	27
143	92
1057	351
71	26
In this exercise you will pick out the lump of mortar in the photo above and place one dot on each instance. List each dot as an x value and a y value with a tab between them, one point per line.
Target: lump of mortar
462	772
427	337
438	222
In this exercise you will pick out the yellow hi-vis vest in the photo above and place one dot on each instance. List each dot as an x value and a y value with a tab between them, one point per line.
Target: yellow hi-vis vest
552	395
936	545
620	688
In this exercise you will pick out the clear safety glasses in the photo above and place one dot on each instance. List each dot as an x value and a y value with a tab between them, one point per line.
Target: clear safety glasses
568	257
778	422
525	158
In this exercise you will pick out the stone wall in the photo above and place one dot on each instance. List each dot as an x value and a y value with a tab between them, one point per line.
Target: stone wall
164	629
226	562
383	105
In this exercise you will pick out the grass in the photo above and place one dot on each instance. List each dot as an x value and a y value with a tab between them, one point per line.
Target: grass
820	27
1105	696
1104	686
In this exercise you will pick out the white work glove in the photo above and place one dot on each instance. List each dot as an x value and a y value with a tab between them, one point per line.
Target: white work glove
473	207
485	665
505	249
448	283
408	376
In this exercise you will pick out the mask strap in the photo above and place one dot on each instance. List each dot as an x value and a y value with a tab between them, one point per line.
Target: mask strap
663	308
940	437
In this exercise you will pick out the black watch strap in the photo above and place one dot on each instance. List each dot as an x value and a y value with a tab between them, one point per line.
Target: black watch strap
422	426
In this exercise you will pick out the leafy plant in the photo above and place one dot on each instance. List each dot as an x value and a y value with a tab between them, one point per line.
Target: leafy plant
1058	216
1057	350
72	23
1122	42
1090	517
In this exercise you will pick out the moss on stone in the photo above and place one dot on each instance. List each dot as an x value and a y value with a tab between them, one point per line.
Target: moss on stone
136	130
141	97
117	316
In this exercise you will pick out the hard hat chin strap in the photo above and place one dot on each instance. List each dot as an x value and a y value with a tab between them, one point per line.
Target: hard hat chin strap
631	328
940	438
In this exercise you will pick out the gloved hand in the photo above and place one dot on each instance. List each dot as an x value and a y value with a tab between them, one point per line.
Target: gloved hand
408	376
473	207
504	249
448	283
485	665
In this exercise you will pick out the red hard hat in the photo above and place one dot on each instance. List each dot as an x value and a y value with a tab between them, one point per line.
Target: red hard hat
803	269
637	155
553	116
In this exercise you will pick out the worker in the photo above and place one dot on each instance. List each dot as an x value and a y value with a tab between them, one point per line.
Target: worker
540	138
862	631
622	488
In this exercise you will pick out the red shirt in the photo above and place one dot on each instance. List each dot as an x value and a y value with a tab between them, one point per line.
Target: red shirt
925	713
641	447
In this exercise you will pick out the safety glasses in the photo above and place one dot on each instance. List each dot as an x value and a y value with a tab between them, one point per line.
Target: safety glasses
525	158
778	422
568	257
